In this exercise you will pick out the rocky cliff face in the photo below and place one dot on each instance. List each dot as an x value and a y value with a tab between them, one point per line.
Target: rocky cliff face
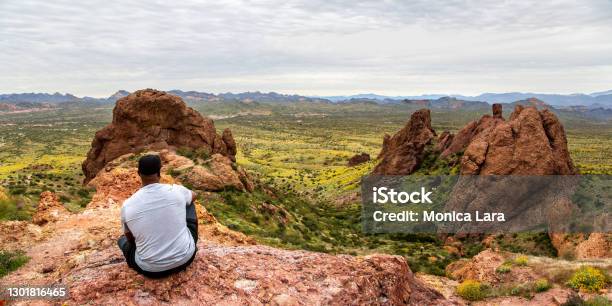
532	142
403	153
152	119
465	136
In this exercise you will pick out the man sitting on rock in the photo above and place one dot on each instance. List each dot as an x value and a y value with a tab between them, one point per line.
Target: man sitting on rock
160	224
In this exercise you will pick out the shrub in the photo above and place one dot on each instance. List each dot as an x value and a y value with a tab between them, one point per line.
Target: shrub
574	301
11	261
521	260
521	290
11	210
542	285
471	290
598	300
504	268
588	279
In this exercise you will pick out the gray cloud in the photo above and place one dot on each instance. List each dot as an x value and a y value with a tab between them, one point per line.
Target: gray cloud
311	47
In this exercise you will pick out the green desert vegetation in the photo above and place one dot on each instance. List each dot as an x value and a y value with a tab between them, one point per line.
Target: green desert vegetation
300	150
11	261
472	290
285	219
589	279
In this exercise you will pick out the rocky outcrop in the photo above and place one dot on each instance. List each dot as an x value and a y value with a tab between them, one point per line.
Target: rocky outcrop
469	132
152	119
582	246
497	111
402	154
483	266
444	141
49	209
532	142
228	140
216	174
213	174
255	275
358	159
598	245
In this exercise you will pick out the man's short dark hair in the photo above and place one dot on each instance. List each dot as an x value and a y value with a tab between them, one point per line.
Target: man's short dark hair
149	165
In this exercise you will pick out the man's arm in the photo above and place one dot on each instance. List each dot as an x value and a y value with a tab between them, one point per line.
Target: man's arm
130	237
194	196
126	229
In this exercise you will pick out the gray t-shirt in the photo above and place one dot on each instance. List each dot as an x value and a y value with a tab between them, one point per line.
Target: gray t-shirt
156	216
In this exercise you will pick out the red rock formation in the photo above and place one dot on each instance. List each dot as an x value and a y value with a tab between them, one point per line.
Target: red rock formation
444	141
218	174
497	111
598	245
358	159
402	154
465	136
482	268
255	275
151	119
532	142
228	139
49	209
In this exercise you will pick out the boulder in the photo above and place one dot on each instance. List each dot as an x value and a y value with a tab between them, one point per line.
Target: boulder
49	209
254	275
358	159
480	267
598	245
152	119
217	173
582	246
483	266
403	153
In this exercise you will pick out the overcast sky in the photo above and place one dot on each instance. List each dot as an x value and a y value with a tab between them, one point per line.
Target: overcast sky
311	47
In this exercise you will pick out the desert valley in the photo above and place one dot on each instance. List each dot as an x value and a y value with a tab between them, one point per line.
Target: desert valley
278	178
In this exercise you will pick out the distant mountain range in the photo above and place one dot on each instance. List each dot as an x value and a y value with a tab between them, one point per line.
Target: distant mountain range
594	100
189	96
595	105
